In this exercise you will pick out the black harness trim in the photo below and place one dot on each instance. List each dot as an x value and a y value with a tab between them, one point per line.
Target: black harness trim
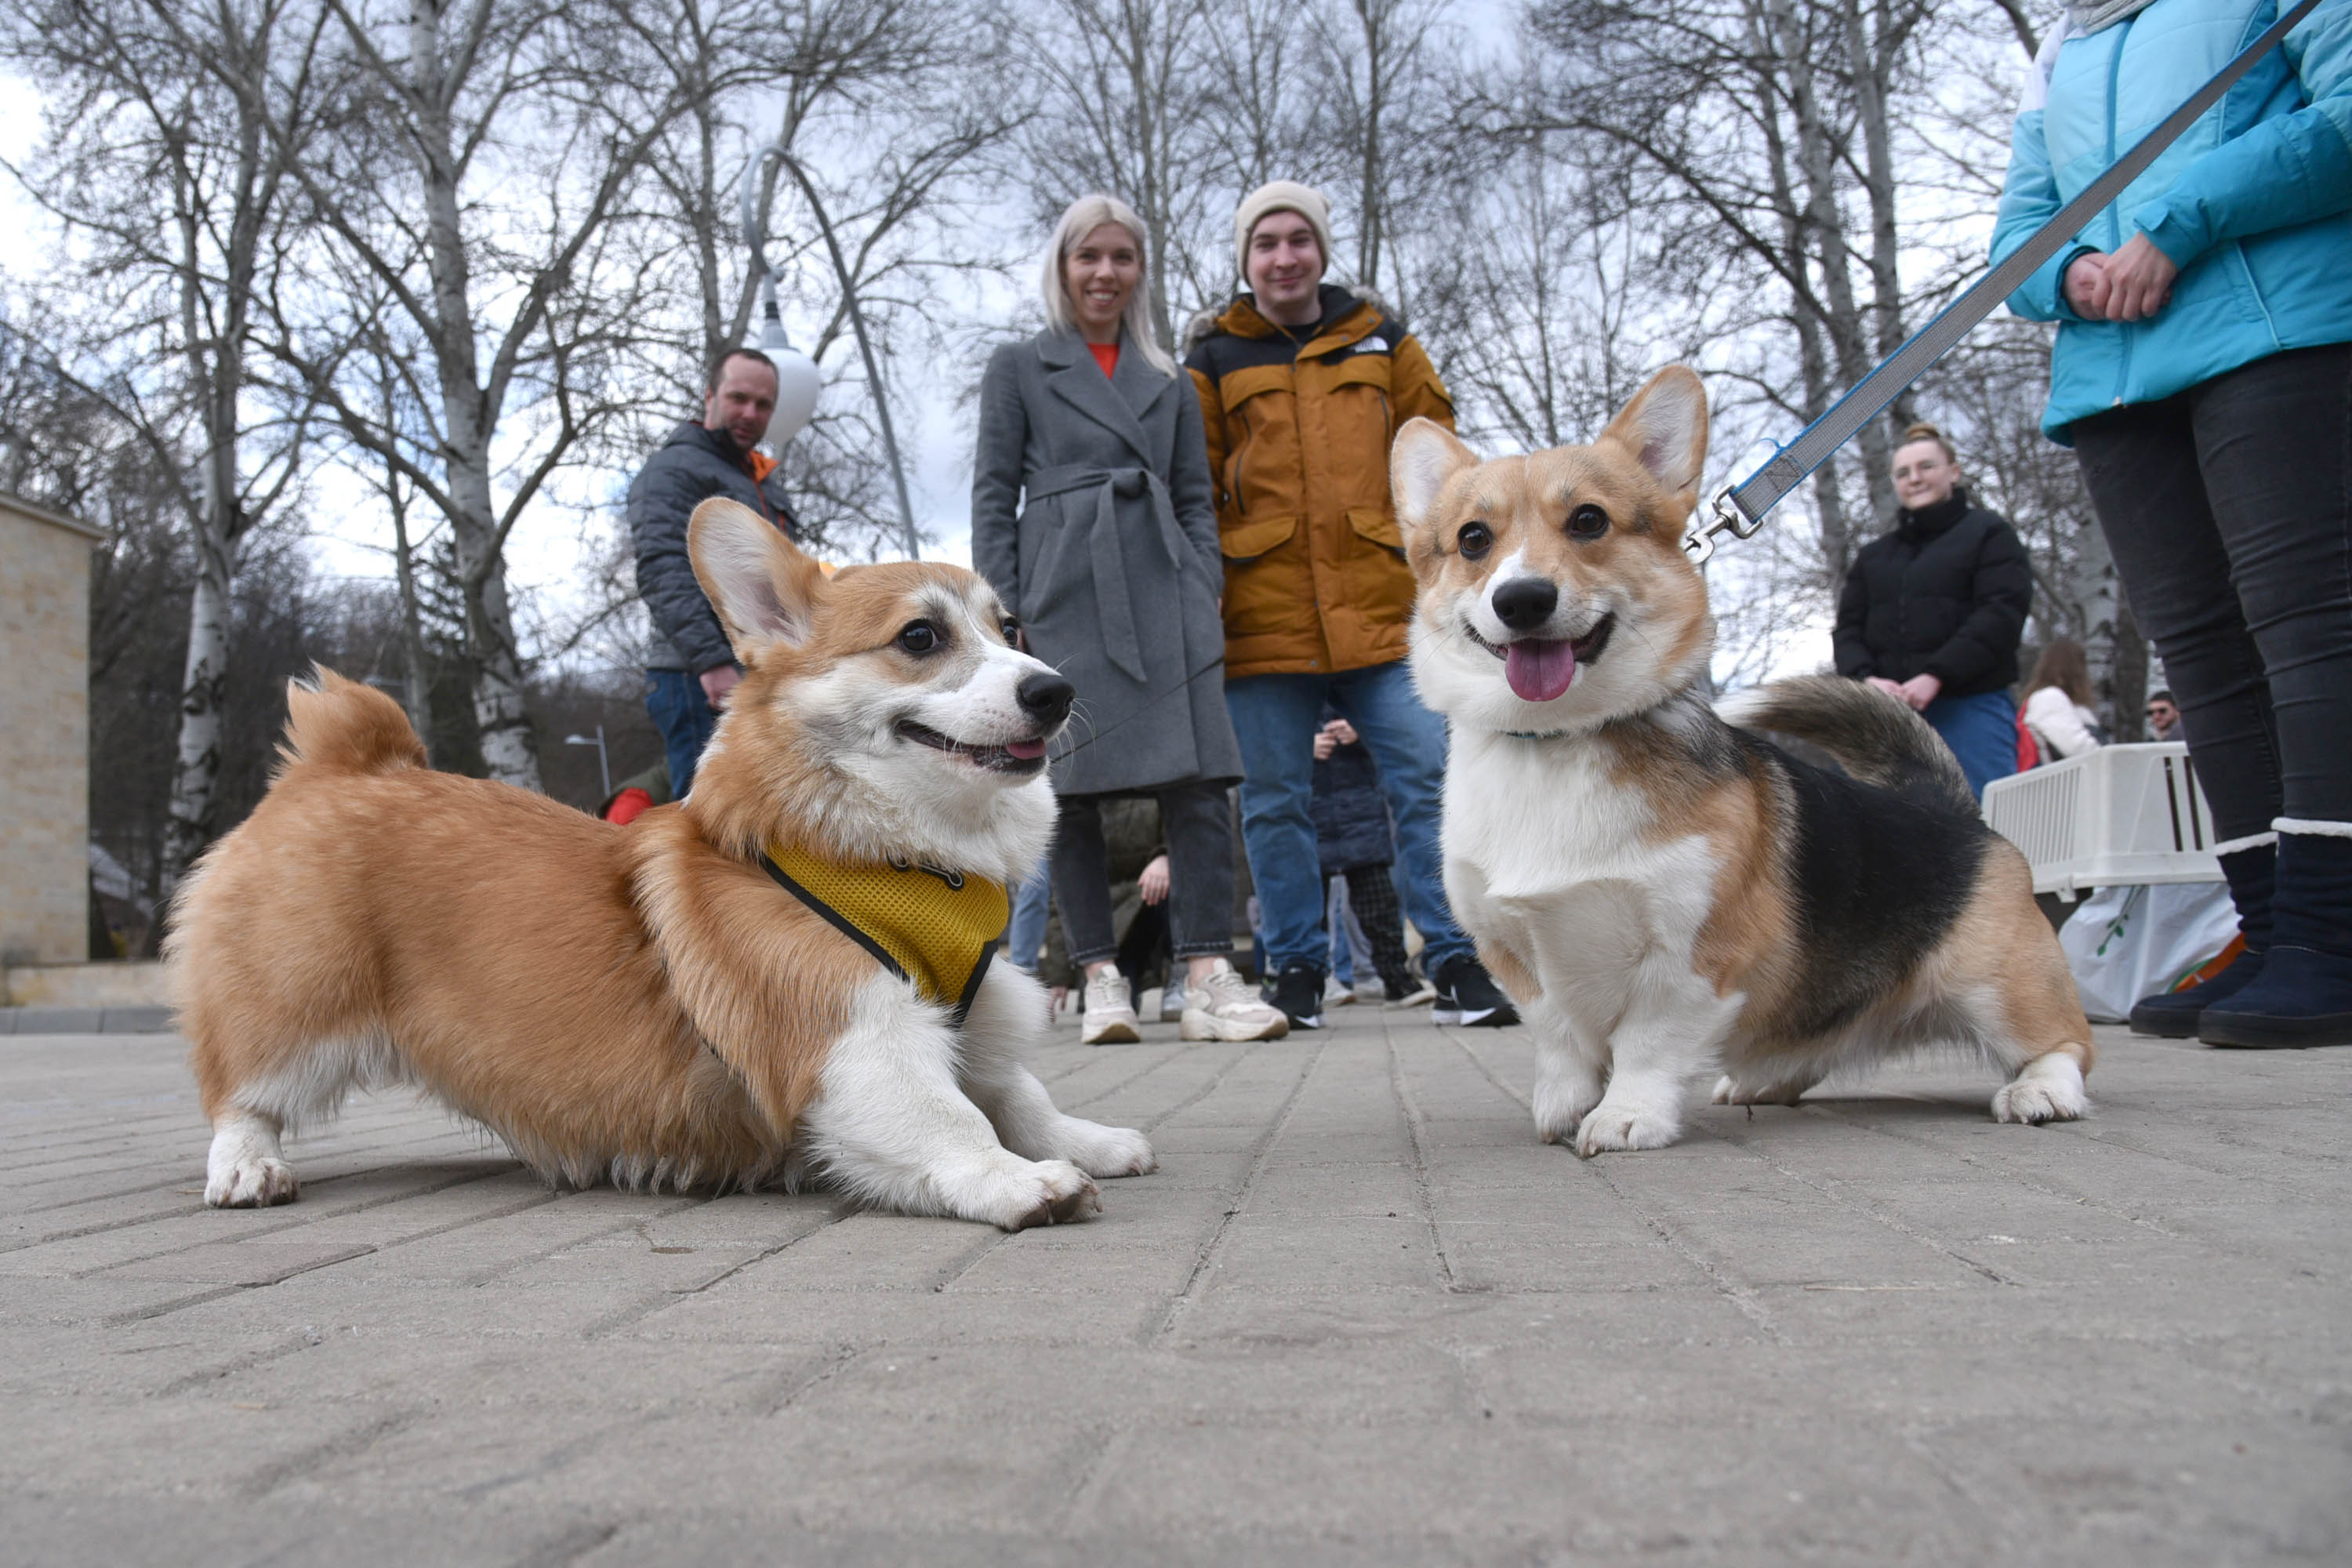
840	921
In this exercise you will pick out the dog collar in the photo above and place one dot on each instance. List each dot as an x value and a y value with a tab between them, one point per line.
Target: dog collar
935	930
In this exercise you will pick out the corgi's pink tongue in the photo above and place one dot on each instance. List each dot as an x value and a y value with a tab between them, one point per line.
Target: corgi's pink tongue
1026	750
1539	670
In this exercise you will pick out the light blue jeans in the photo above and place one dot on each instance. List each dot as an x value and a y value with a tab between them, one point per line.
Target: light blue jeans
1032	902
1275	718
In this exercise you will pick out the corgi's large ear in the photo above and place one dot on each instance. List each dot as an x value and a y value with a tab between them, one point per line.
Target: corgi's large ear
1666	428
758	580
1424	455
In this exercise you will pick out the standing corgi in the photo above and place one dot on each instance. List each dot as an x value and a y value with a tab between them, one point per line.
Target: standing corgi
1668	896
785	974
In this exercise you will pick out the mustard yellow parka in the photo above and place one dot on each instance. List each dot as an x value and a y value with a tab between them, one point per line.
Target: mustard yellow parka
1299	434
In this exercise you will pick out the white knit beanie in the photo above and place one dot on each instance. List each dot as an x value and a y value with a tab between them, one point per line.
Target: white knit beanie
1281	196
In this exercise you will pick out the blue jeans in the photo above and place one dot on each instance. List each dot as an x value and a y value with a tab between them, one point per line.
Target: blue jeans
1031	903
685	718
1275	718
1982	732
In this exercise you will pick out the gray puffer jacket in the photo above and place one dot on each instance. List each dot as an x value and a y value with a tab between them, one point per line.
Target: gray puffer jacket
692	466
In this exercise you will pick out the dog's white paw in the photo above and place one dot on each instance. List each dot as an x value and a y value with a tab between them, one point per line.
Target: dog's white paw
1109	1152
1729	1090
250	1183
1613	1128
1562	1102
2047	1089
1052	1192
243	1169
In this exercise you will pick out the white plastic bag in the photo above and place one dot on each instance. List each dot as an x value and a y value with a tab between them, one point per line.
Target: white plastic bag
2125	943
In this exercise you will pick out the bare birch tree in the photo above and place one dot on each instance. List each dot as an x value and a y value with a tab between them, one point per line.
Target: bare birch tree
161	162
482	151
1374	127
1122	104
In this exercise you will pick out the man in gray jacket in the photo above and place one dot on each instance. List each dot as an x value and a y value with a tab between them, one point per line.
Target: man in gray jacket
688	665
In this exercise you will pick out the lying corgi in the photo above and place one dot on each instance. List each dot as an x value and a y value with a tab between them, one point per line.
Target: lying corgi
1664	895
784	976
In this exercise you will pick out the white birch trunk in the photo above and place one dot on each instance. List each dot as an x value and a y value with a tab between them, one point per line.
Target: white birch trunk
509	749
195	770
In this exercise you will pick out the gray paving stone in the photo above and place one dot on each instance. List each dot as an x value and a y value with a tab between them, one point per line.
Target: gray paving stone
1359	1316
56	1020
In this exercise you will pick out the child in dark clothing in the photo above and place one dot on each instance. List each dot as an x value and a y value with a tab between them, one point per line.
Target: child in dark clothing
1353	839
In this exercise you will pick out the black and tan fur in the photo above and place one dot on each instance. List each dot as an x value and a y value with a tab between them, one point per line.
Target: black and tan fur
1668	895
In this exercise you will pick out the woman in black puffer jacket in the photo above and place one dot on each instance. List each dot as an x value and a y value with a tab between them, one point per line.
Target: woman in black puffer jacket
1933	610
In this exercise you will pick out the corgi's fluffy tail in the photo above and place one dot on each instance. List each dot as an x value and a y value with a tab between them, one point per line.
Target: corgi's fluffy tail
1874	736
344	727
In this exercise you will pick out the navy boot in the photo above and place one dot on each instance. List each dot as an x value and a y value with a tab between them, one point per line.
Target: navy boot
2304	995
2173	1014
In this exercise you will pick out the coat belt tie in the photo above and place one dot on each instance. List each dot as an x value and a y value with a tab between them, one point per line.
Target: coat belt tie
1114	607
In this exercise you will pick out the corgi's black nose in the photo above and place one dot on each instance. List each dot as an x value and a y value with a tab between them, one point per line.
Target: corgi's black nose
1045	696
1525	603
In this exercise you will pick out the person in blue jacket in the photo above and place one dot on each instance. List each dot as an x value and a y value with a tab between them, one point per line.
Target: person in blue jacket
2203	374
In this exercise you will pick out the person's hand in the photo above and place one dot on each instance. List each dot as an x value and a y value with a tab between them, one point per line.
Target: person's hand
2139	280
1153	883
1888	686
1920	690
2087	286
717	683
1339	733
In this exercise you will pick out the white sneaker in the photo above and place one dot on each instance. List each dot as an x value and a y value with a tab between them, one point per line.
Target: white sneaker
1374	992
1336	993
1109	1016
1225	1007
1172	999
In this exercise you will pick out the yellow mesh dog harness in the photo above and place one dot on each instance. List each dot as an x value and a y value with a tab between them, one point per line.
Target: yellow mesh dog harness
934	929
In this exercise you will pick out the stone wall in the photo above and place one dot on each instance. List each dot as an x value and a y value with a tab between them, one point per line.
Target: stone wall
44	735
141	983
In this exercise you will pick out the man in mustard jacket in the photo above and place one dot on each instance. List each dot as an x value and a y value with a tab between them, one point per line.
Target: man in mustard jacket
1302	386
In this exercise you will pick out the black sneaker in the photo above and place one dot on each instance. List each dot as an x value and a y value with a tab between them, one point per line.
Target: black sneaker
1299	994
1465	995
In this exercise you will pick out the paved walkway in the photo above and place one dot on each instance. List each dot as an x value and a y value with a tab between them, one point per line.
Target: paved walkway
1359	1317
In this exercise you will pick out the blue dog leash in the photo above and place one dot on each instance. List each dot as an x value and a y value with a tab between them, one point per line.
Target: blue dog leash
1738	508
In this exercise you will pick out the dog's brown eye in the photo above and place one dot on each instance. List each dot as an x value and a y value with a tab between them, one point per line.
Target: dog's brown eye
1474	540
918	637
1587	522
1012	630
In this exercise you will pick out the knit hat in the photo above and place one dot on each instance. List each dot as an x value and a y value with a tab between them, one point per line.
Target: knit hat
1281	196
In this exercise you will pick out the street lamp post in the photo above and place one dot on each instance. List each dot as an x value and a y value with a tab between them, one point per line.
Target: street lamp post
771	328
603	762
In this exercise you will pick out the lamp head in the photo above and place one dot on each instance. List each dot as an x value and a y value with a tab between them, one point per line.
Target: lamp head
798	380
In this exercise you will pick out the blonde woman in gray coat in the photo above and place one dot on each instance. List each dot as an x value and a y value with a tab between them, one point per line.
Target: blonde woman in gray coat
1091	516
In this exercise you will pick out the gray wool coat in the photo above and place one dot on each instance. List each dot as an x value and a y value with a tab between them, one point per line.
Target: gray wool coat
1092	518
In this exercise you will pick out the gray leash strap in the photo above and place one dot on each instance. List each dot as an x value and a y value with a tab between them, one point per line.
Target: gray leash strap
1739	508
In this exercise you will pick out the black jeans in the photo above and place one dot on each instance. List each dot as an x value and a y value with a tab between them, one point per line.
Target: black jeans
2227	509
1198	823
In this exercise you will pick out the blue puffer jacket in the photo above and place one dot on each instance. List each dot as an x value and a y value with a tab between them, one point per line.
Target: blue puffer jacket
2254	203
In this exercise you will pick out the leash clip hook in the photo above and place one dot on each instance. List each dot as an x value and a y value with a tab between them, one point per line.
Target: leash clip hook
1723	517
